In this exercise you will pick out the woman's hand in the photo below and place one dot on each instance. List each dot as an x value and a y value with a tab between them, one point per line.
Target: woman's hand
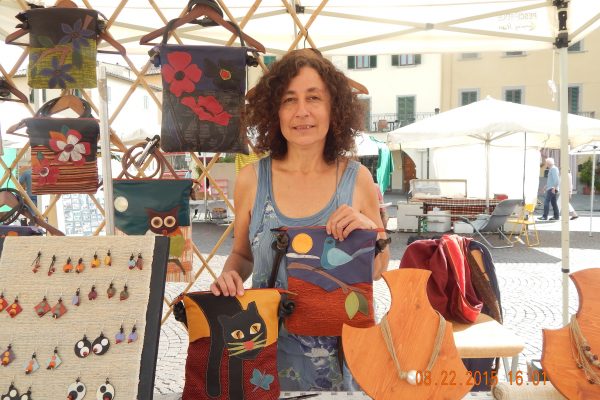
229	283
346	219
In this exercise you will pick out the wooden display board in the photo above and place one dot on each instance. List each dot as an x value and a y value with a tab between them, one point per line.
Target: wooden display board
130	367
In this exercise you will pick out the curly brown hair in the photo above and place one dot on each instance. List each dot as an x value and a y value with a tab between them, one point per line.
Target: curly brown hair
262	110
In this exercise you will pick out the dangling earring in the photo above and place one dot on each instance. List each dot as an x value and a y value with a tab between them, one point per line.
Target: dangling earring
76	299
68	267
107	259
120	336
95	262
80	266
12	393
27	395
42	307
139	264
54	361
83	347
105	391
59	309
32	365
131	262
92	295
101	345
133	336
76	390
111	291
3	302
8	355
124	295
51	268
36	263
15	308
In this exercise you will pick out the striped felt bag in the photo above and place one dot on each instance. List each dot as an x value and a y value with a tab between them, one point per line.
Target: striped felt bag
333	280
63	152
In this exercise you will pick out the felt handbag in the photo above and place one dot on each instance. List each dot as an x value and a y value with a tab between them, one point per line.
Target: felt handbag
63	152
232	351
333	280
203	96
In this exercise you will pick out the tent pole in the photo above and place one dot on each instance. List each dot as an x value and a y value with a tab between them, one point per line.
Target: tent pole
593	189
487	176
524	166
564	184
107	183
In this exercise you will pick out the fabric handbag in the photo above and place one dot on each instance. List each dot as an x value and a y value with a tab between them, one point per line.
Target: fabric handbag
62	51
63	152
333	280
16	230
203	96
232	351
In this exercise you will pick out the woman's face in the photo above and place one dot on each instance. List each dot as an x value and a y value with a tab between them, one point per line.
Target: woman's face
305	109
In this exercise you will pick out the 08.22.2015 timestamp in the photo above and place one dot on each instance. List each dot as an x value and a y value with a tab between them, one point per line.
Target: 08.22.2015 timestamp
475	378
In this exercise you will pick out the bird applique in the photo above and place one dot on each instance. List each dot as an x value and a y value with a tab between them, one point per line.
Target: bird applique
333	257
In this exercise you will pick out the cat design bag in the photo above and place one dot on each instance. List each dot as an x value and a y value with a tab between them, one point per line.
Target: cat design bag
203	96
232	351
333	280
63	152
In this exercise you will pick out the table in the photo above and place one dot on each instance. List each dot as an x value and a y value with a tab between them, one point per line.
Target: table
470	207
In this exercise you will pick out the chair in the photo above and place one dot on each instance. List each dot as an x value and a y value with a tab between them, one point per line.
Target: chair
525	220
494	222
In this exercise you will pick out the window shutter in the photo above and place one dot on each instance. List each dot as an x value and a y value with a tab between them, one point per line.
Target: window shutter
395	60
351	62
417	59
373	61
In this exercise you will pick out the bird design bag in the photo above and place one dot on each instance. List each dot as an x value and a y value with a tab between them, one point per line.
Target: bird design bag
333	280
232	351
203	96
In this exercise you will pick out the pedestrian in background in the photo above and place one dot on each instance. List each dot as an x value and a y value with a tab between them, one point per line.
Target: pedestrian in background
551	191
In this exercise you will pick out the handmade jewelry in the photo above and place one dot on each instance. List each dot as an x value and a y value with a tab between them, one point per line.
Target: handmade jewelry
26	395
131	262
54	361
12	393
42	307
76	299
582	352
124	295
80	266
101	345
7	356
410	376
32	365
106	391
36	263
59	309
95	262
3	302
92	295
15	308
111	291
120	336
76	390
108	259
139	264
52	268
83	347
68	267
133	336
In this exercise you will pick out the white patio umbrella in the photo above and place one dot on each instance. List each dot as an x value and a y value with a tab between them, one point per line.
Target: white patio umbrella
590	149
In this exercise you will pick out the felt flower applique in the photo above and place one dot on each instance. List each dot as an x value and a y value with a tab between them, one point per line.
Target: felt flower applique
180	73
77	35
58	74
45	173
207	108
68	147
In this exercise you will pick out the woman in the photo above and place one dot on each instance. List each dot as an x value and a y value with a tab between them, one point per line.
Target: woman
306	117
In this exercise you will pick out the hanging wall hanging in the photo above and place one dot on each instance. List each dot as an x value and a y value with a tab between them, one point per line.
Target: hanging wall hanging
62	45
333	279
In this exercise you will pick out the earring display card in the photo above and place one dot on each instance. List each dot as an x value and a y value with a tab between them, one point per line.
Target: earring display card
96	322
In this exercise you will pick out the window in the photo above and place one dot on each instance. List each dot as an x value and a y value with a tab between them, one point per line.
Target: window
573	99
406	110
575	47
362	62
146	102
469	56
513	95
514	53
468	97
405	59
268	60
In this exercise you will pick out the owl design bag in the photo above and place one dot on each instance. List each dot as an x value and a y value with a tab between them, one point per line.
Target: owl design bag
232	353
333	280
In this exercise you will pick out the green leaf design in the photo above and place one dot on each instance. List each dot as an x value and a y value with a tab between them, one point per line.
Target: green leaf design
64	129
77	59
352	304
363	304
45	41
40	155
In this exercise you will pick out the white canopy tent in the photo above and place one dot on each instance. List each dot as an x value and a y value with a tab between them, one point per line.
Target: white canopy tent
376	27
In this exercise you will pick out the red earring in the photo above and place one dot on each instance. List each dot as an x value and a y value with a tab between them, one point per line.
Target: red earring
42	307
15	308
139	264
36	263
59	309
51	268
92	295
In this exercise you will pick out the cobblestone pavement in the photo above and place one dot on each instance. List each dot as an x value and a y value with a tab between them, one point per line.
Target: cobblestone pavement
530	283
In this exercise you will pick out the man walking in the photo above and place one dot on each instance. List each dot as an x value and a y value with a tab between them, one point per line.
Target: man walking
551	190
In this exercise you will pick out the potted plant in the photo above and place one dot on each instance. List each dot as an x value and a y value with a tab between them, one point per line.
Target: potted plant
585	176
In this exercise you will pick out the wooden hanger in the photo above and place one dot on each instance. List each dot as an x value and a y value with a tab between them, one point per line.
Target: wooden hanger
196	13
13	199
10	39
11	89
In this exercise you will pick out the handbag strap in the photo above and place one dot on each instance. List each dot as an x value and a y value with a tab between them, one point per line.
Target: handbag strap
46	109
6	197
280	245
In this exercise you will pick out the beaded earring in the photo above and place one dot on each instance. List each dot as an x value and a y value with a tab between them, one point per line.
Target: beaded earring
15	308
42	307
96	261
76	390
106	391
108	259
36	263
80	266
52	268
54	361
59	309
32	365
124	295
3	302
76	299
68	267
7	356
